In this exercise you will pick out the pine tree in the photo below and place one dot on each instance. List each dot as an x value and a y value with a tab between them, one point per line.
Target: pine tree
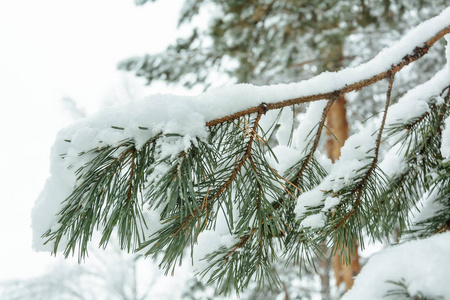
174	172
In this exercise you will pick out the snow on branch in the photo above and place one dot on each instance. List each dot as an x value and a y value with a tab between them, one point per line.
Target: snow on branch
169	172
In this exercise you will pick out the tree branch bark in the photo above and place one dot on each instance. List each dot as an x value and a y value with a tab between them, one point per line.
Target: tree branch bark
418	52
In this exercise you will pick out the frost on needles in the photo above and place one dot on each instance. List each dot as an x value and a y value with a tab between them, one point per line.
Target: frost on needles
224	175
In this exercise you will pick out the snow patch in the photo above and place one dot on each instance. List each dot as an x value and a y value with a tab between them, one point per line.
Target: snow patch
422	264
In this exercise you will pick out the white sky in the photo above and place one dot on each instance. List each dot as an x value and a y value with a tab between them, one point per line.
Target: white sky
51	49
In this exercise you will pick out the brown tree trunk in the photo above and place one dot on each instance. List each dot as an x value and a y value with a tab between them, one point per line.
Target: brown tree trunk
338	125
344	273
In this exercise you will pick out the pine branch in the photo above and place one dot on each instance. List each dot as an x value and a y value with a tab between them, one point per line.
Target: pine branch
209	199
418	52
360	187
227	170
432	161
276	205
317	137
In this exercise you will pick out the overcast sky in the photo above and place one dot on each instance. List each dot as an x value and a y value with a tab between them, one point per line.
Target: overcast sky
51	50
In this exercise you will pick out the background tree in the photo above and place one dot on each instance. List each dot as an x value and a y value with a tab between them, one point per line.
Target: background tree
266	42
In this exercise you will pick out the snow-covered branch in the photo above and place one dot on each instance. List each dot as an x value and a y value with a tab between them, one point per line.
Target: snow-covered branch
171	171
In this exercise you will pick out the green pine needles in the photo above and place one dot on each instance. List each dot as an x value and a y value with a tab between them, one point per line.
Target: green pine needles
226	181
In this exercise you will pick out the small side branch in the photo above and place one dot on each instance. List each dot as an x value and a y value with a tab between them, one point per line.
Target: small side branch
313	149
208	201
242	162
360	188
317	137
